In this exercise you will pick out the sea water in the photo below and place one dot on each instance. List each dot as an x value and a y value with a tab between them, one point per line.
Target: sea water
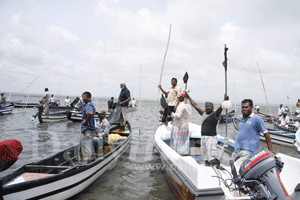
137	174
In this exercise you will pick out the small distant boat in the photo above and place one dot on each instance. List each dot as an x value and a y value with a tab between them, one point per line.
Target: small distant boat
266	117
6	108
222	117
60	176
25	105
76	116
60	108
288	130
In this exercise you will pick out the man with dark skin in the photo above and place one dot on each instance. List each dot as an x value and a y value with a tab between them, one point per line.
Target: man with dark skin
86	148
173	94
209	123
124	99
247	139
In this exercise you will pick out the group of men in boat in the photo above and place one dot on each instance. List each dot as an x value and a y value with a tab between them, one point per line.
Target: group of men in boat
247	139
94	136
284	119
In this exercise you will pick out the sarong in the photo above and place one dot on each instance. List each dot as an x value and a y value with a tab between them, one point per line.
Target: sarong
86	151
209	147
123	116
180	140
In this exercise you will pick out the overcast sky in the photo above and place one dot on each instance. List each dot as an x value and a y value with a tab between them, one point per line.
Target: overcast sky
79	46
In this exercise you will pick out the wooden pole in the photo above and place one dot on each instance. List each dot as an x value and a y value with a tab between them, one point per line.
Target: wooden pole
162	69
265	92
11	92
288	100
140	101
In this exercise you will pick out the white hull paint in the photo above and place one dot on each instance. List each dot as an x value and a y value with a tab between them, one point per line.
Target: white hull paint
187	177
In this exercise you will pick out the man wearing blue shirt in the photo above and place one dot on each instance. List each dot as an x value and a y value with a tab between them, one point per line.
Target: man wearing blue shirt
250	127
124	99
86	147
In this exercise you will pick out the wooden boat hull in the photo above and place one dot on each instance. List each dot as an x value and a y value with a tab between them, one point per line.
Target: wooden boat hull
283	129
53	117
63	184
24	105
7	110
222	117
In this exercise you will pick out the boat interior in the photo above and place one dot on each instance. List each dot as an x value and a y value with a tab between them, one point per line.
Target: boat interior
64	161
195	152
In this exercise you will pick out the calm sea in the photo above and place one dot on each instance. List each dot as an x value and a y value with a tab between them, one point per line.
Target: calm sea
137	174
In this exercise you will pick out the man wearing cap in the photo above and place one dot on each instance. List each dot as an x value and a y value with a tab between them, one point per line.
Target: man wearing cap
124	99
3	98
180	140
173	94
284	120
103	129
209	123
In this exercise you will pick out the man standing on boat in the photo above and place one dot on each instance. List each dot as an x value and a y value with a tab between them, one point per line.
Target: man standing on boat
67	101
3	98
124	99
86	147
284	120
173	94
209	123
280	110
180	140
110	105
247	139
46	100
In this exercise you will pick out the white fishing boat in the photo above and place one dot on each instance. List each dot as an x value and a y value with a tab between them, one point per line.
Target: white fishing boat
6	108
190	178
61	176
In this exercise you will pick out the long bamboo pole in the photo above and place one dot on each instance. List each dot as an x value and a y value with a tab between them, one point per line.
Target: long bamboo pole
140	100
162	69
288	100
265	92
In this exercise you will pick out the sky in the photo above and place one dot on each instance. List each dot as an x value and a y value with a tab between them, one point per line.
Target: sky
76	46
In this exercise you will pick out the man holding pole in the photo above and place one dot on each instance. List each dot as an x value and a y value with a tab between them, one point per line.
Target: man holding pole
173	94
209	123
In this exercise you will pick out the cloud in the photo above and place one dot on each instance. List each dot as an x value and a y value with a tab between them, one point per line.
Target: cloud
104	43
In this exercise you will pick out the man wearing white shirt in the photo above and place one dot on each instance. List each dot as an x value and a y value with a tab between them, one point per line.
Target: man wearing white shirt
67	101
280	110
284	120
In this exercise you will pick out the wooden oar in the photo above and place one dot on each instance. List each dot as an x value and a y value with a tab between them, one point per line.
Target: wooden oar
185	79
162	69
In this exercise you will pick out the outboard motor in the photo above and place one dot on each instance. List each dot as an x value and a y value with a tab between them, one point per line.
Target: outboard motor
259	173
39	113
